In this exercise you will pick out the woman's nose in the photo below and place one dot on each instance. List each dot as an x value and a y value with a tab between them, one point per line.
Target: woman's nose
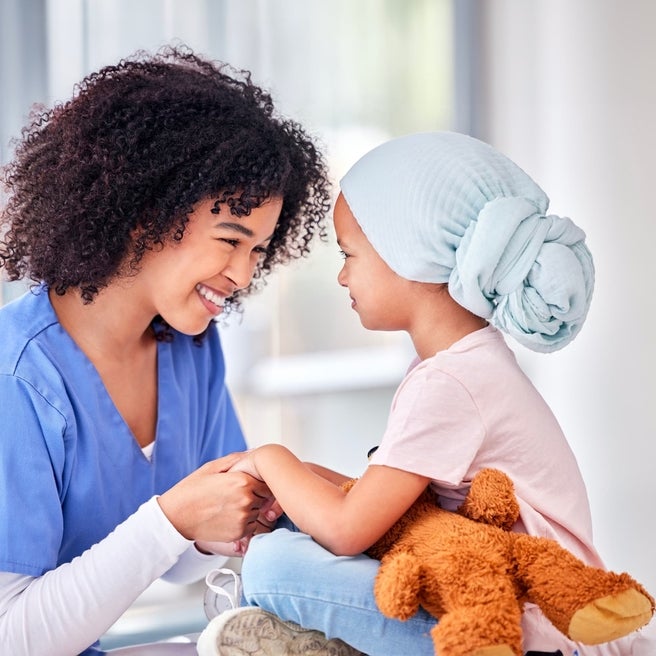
240	270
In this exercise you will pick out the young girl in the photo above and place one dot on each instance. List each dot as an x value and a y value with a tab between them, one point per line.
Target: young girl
142	209
447	239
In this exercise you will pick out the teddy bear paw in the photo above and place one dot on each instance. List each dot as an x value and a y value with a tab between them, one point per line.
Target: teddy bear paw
494	650
611	617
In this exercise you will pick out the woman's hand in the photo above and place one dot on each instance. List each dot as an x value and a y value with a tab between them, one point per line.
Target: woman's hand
213	504
269	514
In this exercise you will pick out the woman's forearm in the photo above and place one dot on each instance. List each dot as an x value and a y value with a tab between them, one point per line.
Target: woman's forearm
67	609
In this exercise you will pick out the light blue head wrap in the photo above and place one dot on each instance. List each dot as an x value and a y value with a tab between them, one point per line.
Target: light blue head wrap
445	207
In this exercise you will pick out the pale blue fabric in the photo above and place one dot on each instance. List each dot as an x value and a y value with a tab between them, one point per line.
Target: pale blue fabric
70	469
287	573
444	207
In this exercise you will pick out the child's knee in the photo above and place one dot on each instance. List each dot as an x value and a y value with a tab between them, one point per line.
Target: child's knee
267	557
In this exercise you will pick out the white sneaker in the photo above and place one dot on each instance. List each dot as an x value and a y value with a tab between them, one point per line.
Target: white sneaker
251	631
223	592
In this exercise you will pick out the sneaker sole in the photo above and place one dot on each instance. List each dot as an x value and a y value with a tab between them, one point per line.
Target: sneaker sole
251	631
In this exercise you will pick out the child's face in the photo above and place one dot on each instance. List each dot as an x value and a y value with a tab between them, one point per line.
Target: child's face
187	282
377	294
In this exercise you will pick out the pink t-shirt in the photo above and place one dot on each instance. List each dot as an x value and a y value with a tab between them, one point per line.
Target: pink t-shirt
471	407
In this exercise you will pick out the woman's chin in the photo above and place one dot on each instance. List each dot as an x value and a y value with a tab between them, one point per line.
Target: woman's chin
191	328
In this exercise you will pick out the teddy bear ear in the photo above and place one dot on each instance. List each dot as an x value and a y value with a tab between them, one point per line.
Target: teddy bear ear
491	500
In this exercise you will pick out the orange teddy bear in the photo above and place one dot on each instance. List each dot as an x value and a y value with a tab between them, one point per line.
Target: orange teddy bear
475	576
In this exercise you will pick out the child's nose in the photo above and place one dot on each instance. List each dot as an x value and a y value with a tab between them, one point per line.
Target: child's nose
341	277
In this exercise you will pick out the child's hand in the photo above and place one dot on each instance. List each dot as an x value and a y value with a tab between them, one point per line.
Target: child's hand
230	549
246	464
241	546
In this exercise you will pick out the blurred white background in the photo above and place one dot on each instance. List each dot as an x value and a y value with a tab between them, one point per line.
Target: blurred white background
565	88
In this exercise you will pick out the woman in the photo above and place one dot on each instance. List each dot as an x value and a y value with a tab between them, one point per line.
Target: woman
142	209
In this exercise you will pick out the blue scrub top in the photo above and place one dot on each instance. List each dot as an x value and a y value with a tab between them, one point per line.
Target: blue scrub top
70	468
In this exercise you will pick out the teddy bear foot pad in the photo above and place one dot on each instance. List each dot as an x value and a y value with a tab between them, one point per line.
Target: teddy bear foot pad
610	617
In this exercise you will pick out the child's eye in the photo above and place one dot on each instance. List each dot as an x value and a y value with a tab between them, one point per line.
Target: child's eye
343	255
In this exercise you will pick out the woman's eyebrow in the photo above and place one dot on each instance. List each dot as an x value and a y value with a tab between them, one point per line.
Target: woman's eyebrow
237	227
242	230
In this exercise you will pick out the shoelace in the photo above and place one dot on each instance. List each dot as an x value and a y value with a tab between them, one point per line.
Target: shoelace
230	579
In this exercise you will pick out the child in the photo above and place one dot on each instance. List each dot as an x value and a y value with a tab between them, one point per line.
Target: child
447	239
142	209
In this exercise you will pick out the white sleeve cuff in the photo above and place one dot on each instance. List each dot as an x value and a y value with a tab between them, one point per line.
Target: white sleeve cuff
192	565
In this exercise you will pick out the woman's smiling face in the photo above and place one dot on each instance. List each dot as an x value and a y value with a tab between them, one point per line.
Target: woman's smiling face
187	282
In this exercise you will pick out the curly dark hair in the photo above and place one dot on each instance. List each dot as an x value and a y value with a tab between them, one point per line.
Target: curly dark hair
138	145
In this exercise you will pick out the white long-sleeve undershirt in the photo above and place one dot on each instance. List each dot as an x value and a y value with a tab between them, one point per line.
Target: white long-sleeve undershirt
67	609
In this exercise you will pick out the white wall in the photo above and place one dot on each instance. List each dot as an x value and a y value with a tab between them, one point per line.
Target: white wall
570	94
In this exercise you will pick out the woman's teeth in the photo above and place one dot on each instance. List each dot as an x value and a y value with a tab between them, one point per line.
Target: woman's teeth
210	295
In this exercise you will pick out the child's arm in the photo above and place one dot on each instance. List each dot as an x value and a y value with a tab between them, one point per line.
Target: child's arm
328	474
346	524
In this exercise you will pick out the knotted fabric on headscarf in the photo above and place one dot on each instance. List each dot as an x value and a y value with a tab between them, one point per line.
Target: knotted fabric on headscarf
445	207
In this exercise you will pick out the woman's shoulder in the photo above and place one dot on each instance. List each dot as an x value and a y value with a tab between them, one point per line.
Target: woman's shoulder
26	310
22	323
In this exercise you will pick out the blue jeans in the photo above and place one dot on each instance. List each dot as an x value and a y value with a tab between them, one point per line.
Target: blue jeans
289	574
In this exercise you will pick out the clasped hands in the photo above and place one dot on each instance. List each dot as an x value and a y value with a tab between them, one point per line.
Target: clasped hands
221	505
268	511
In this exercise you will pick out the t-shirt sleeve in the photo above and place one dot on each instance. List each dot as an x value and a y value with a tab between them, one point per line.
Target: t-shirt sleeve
432	413
32	478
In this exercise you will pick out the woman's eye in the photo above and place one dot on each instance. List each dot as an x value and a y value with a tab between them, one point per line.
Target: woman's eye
260	250
343	255
231	242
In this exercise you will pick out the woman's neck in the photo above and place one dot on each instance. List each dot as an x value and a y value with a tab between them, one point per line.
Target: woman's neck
110	326
116	335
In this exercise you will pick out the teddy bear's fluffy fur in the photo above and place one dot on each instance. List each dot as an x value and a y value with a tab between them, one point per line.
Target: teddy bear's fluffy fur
474	576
